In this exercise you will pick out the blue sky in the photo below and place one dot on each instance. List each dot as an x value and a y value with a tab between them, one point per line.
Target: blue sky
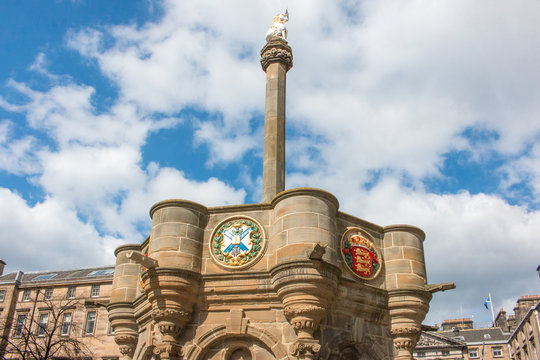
409	112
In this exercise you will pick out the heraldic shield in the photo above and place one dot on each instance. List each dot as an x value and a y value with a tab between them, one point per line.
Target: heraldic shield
237	242
360	254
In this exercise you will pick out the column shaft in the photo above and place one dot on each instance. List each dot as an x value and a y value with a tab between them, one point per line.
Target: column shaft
276	60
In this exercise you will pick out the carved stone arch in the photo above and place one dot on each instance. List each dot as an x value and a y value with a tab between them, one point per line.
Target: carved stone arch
219	333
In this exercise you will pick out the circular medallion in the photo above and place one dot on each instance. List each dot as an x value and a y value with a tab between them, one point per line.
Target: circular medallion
360	254
237	242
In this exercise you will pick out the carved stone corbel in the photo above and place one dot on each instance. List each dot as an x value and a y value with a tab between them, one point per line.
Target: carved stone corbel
172	293
168	351
126	345
405	339
408	309
306	289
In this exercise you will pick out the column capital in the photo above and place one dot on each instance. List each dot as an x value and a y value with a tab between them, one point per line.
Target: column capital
276	50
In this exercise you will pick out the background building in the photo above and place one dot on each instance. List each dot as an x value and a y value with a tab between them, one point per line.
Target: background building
31	301
463	343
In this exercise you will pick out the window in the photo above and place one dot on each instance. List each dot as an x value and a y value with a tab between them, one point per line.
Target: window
44	277
66	324
111	330
421	354
473	353
48	294
90	323
2	295
19	326
26	295
42	325
71	292
101	272
497	351
95	291
445	353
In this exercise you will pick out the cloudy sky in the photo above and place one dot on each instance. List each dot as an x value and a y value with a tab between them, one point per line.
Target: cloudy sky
416	112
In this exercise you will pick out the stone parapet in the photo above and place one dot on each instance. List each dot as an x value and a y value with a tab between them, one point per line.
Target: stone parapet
177	234
302	218
403	251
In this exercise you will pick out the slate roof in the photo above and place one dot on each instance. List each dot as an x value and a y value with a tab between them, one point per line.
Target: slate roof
496	335
38	277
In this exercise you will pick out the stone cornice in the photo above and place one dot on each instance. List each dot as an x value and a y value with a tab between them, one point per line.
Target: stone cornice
127	247
406	228
303	192
179	203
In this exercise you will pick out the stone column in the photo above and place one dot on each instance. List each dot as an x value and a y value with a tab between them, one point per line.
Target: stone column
173	286
120	308
276	60
408	299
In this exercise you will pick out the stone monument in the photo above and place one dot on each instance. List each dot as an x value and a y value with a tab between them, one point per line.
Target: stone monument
291	277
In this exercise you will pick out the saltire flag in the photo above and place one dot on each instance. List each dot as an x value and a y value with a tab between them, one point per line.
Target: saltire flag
488	301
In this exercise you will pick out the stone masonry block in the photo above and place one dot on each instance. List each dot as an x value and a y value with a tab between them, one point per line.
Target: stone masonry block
327	223
393	253
413	254
190	246
387	241
410	281
131	269
276	228
179	214
391	281
119	295
131	294
296	220
398	267
169	229
418	268
308	235
293	252
126	281
277	241
174	259
164	244
406	239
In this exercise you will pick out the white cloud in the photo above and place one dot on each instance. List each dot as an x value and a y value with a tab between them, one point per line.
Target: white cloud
380	92
48	235
17	156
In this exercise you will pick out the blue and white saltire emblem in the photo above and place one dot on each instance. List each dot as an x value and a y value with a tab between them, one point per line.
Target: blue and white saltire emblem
236	240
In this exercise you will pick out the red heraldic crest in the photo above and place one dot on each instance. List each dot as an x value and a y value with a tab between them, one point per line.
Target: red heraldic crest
360	254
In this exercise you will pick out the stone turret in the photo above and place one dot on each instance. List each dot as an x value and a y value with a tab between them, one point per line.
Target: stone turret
121	312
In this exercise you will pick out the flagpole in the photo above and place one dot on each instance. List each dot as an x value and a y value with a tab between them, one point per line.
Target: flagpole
492	314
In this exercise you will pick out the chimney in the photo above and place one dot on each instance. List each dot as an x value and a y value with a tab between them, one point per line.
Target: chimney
276	60
2	264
